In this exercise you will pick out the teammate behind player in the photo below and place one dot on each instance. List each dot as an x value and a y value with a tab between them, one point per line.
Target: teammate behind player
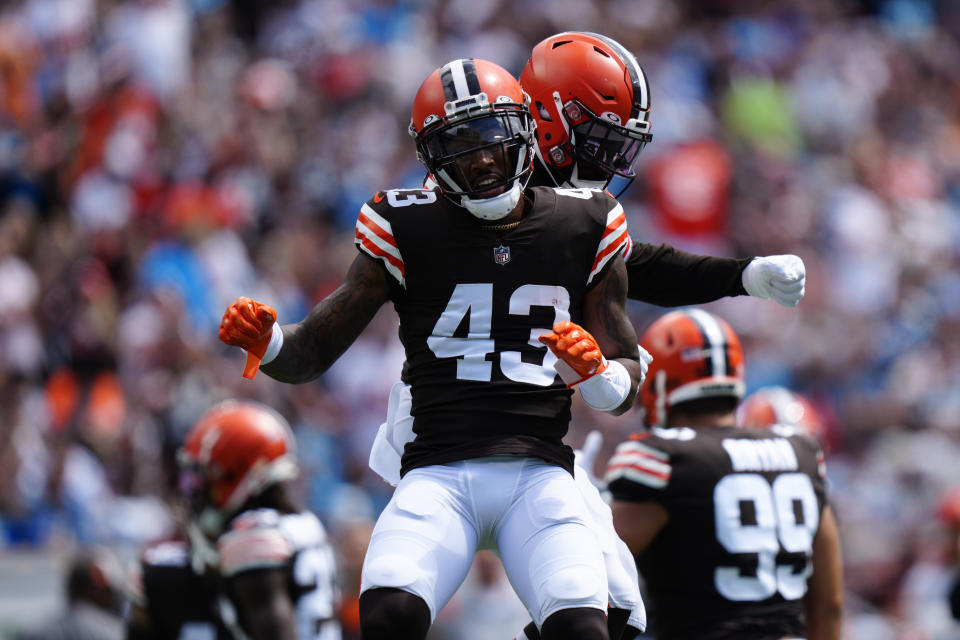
480	270
591	102
731	527
255	566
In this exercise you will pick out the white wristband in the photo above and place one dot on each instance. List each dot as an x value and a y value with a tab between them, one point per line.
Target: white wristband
276	343
606	391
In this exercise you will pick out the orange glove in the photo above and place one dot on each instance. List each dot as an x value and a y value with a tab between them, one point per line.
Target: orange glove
248	324
577	349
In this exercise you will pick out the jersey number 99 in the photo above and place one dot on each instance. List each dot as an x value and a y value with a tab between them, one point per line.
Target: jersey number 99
785	516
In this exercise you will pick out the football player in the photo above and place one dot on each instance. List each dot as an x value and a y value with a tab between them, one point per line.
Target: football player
591	103
498	288
253	565
731	528
769	406
626	616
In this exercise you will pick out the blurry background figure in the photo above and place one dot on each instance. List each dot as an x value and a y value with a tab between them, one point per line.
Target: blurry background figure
351	539
253	565
779	406
94	601
931	589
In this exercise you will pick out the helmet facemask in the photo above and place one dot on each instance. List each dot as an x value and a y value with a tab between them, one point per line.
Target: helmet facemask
611	148
198	495
480	158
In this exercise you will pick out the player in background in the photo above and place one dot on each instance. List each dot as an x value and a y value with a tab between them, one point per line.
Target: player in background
775	405
94	599
498	288
253	564
731	528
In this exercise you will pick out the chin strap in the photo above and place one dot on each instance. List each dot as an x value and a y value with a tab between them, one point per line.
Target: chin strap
494	208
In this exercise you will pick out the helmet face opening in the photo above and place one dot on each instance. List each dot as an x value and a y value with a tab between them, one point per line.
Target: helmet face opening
607	148
197	493
479	156
474	133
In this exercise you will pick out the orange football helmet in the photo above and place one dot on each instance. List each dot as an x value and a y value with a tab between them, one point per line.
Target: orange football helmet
233	452
695	355
471	108
591	104
768	406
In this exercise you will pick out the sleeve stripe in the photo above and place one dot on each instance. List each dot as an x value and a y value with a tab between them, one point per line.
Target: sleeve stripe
627	248
636	474
639	460
632	446
371	221
614	238
375	237
394	265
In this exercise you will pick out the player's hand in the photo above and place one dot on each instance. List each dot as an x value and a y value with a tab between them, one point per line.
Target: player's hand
781	278
645	360
577	349
248	324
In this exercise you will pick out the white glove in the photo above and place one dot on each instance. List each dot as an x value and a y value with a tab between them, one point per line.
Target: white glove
645	360
779	277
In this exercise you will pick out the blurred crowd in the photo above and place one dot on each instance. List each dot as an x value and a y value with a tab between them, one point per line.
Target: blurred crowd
159	158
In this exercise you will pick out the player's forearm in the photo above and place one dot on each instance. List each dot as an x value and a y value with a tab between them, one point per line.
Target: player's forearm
272	625
311	346
823	602
668	277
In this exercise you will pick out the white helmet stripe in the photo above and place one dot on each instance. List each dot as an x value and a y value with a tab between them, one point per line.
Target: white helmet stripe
630	60
716	341
458	76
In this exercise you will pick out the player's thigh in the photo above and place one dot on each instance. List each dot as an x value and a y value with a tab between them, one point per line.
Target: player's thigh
549	550
421	542
622	579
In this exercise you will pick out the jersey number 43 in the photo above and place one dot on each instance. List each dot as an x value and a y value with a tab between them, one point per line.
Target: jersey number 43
475	302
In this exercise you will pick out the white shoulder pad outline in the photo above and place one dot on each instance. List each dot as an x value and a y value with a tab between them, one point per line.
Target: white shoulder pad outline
254	548
637	462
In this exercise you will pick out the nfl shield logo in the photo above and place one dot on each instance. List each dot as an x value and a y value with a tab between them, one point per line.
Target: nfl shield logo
501	255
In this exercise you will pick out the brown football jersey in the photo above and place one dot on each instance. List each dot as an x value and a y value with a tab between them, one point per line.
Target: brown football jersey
744	506
472	300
